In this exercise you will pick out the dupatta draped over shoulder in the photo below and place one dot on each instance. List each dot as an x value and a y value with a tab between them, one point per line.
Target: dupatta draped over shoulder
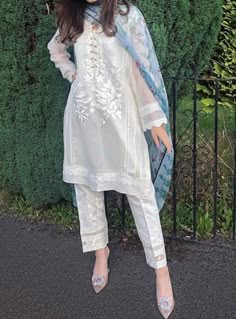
133	35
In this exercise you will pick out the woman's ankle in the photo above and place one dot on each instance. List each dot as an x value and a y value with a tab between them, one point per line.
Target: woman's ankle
102	252
163	271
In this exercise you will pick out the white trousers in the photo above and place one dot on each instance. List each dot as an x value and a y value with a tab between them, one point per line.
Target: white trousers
94	225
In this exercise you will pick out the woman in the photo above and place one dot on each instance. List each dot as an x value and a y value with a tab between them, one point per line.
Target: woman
111	103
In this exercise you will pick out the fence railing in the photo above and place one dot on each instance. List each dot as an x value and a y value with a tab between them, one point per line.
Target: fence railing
211	157
202	196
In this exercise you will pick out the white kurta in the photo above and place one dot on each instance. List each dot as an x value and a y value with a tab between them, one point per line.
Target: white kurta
104	120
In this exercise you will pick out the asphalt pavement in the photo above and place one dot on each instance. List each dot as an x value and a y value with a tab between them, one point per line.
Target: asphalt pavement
45	275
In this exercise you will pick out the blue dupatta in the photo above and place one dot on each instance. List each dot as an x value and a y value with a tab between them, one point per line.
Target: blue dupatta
161	161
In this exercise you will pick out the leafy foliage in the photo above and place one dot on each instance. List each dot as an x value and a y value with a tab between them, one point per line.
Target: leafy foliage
184	33
223	62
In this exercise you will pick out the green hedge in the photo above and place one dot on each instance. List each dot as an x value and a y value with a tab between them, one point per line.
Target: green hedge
184	33
33	93
33	97
223	62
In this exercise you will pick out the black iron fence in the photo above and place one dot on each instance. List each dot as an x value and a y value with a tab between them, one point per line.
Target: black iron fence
202	197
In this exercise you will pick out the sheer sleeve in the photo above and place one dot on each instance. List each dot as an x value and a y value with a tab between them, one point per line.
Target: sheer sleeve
150	111
150	106
61	57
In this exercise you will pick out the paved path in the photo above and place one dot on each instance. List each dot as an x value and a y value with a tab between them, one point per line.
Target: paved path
45	274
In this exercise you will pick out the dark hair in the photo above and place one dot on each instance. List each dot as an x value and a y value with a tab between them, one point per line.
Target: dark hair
70	17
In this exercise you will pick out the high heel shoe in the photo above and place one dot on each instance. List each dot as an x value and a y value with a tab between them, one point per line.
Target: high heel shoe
165	301
99	281
166	305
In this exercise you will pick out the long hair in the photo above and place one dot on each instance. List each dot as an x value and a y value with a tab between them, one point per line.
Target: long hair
70	17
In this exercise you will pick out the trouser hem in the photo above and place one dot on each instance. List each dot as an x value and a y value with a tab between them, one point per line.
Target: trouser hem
95	246
157	265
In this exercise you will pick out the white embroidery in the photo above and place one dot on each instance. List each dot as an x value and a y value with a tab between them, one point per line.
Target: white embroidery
98	85
121	181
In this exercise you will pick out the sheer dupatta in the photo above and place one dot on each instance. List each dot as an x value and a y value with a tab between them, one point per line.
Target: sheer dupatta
151	94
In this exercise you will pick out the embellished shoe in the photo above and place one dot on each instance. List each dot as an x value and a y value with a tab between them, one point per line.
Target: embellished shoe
164	294
165	305
99	281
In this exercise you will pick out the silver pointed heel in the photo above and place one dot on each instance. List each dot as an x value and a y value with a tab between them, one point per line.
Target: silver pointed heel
166	305
99	281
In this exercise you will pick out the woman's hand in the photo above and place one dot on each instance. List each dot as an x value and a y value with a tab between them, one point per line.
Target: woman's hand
159	132
74	75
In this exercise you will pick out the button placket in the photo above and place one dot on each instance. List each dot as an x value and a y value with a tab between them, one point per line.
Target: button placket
94	50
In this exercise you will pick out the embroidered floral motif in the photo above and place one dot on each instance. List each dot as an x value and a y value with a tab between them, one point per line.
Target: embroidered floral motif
98	87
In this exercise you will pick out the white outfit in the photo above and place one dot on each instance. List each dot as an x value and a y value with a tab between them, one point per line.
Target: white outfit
94	226
108	109
105	118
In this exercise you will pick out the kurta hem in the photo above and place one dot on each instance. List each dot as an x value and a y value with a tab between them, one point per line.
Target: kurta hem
120	182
